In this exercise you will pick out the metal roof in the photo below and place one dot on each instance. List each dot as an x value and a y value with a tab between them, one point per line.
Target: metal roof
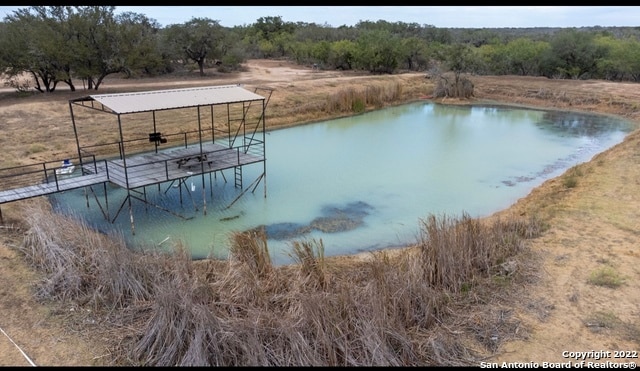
175	98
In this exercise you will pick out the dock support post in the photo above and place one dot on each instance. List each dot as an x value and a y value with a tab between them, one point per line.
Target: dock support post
204	196
133	229
106	199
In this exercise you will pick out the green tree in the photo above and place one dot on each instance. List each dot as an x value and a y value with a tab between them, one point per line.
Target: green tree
342	54
432	34
313	32
320	52
139	41
282	44
628	54
268	28
33	42
199	40
493	59
377	51
572	54
523	55
104	44
458	59
270	37
59	43
622	59
231	50
414	52
301	52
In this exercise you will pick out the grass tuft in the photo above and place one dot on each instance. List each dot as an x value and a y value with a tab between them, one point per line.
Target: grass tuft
570	179
606	277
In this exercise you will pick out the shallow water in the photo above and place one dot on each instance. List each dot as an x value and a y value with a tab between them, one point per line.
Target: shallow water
365	182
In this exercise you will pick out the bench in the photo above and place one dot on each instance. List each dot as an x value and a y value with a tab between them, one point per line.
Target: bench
198	158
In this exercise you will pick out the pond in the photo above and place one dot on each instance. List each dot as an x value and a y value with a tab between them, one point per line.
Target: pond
363	183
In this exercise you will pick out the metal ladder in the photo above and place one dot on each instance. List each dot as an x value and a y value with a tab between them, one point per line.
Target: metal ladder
238	176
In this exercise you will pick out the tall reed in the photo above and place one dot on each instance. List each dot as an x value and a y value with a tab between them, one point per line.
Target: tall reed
386	310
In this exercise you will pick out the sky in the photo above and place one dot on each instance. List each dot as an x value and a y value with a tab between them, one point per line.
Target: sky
437	16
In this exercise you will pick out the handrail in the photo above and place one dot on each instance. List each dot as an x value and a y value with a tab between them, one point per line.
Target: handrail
45	172
38	173
259	149
143	144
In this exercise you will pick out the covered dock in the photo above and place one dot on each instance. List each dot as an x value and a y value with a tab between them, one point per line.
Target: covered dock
138	139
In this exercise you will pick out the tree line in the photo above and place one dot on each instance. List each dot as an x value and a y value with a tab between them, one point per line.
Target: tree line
67	44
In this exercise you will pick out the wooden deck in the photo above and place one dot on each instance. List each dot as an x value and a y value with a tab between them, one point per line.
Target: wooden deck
145	169
61	184
174	164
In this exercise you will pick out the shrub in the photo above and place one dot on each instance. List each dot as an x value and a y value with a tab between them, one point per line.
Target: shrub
358	106
570	179
606	277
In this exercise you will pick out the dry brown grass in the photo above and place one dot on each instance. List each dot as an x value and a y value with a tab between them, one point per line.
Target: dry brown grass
250	313
459	252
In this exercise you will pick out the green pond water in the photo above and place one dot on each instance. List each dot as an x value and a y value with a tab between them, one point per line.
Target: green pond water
363	183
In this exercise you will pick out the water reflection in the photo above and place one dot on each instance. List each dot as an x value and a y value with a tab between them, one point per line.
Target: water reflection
578	125
364	182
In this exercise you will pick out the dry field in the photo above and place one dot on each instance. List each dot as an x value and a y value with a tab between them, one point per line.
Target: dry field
584	298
